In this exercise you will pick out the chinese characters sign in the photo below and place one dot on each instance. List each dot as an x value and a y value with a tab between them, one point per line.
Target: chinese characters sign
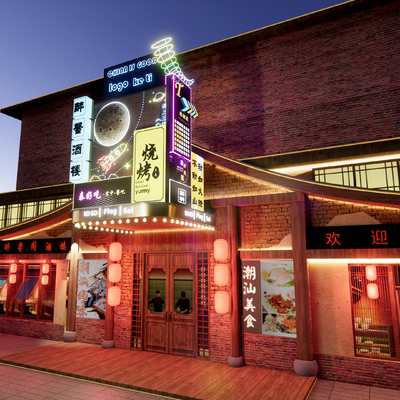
81	144
149	165
103	193
180	125
354	237
268	298
251	296
92	285
197	181
38	246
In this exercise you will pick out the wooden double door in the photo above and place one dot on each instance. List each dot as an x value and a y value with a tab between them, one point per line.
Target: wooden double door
167	330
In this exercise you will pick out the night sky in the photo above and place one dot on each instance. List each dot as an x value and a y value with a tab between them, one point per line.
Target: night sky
48	46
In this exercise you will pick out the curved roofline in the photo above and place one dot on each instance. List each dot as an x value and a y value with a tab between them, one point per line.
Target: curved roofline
313	188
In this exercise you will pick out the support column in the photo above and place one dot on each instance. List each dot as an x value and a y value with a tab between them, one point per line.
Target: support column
235	359
70	334
305	364
109	341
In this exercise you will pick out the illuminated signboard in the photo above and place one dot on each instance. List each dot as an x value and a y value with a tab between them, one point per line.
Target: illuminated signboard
149	164
81	144
269	298
132	76
380	236
180	122
114	125
197	182
35	246
140	210
179	193
103	193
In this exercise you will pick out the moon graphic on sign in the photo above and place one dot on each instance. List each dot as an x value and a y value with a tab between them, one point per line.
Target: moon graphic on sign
111	124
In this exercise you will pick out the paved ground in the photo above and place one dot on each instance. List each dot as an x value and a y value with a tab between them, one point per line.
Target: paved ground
19	383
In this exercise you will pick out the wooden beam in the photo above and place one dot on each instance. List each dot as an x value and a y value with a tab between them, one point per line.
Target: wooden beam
301	284
235	301
258	199
109	322
265	254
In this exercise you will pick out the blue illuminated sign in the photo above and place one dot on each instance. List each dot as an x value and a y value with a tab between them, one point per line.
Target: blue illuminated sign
132	76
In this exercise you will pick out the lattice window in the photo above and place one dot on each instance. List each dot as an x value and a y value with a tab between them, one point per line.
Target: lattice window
203	348
373	320
137	300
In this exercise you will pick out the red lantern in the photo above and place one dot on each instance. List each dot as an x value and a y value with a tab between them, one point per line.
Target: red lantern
372	291
45	280
13	279
221	302
114	273
114	296
115	251
221	275
221	250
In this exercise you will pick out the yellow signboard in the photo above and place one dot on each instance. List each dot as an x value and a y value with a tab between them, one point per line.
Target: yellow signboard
149	165
197	182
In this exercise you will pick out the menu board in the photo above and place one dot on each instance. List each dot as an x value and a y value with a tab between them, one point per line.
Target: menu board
92	285
277	298
268	298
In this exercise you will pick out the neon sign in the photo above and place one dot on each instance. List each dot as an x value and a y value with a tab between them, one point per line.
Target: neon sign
166	57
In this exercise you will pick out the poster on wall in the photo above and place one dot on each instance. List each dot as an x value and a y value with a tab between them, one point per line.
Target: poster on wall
278	298
92	285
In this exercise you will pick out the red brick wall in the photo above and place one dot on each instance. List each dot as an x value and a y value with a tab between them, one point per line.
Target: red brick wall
265	225
320	211
34	329
364	371
273	352
331	84
221	183
89	330
220	342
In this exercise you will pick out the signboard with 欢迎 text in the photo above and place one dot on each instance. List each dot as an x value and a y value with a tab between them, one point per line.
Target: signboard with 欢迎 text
91	291
379	236
149	164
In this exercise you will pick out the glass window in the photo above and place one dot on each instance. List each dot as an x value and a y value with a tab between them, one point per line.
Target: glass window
45	206
379	176
2	216
157	282
372	312
183	282
3	288
13	214
28	210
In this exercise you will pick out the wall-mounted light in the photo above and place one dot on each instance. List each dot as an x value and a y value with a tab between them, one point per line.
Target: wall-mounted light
221	302
221	250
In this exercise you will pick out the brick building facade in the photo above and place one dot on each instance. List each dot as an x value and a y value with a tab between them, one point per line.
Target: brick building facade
298	125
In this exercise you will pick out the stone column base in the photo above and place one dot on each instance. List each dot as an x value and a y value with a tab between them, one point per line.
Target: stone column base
69	336
306	368
236	361
108	344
